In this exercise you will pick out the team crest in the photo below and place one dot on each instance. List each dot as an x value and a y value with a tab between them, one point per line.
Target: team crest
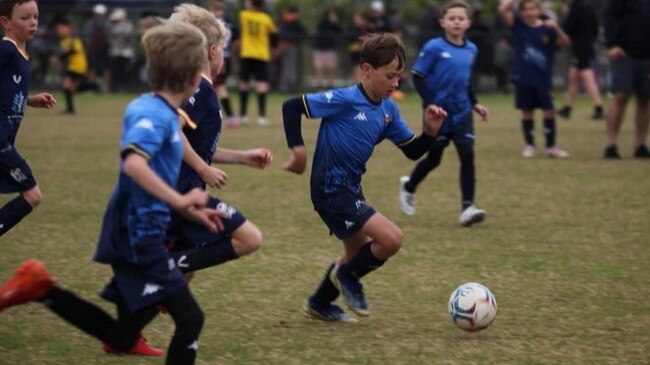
388	118
545	39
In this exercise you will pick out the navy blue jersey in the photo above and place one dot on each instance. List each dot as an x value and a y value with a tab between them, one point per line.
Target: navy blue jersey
533	56
203	107
352	124
446	69
133	216
15	76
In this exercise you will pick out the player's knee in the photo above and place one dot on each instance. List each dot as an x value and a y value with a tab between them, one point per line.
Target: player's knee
33	196
247	240
189	323
393	241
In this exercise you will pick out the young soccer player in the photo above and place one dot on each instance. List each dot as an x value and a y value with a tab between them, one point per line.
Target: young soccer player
74	60
192	245
19	20
354	120
258	31
442	76
133	233
535	41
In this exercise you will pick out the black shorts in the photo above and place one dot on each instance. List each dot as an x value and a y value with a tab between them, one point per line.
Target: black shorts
18	178
252	68
583	54
344	212
630	76
76	77
528	97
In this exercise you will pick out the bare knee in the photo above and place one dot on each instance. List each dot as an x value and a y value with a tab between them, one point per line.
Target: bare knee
33	196
390	244
247	239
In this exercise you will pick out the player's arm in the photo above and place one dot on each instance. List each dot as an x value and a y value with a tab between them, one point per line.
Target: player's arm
41	100
256	157
419	84
563	39
507	13
614	11
416	147
212	176
476	107
292	111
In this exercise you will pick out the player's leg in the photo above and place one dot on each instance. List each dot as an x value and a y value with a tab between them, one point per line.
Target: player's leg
16	176
525	101
262	89
642	118
591	85
470	213
320	304
572	91
409	184
188	318
68	85
622	86
245	73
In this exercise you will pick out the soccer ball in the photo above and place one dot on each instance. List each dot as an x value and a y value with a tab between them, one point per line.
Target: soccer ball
472	307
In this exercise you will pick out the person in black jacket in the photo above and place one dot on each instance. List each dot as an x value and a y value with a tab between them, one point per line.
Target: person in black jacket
627	36
325	56
581	24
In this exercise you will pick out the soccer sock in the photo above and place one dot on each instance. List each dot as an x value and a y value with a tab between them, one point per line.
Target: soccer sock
261	103
549	132
208	255
362	263
13	212
69	102
225	103
243	103
467	174
424	166
188	318
326	292
528	127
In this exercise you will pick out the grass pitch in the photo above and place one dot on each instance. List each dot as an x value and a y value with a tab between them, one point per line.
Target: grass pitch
565	249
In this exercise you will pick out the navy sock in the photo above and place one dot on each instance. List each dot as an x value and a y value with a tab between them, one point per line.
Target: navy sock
261	103
549	132
528	127
208	255
69	102
362	263
326	292
467	174
13	212
225	104
243	103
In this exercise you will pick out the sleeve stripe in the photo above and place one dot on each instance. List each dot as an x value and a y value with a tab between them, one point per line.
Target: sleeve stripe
306	106
136	149
188	121
417	73
406	142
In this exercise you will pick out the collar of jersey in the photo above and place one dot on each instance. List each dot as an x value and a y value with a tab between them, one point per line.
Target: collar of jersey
156	95
365	95
16	45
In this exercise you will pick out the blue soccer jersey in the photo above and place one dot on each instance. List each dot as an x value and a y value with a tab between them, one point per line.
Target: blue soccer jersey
203	108
15	76
134	216
446	69
533	57
352	124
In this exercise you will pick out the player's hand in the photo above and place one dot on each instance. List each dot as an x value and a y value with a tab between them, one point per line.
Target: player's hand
214	177
195	198
482	111
616	53
258	157
433	118
550	23
42	100
208	217
297	162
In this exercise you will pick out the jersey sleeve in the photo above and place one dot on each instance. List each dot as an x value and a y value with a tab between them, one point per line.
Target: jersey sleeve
143	135
425	61
271	25
397	131
324	104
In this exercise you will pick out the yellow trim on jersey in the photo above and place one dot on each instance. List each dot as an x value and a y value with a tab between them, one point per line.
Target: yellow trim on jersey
137	150
407	142
185	118
256	28
207	78
22	52
304	105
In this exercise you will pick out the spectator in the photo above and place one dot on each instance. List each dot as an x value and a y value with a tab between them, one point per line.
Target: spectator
379	22
74	61
43	46
502	59
95	35
627	36
428	25
358	29
325	55
290	31
121	49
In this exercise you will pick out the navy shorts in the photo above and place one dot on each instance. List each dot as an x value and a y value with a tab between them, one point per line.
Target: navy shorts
630	76
146	282
343	212
461	132
528	97
184	234
583	53
249	67
18	178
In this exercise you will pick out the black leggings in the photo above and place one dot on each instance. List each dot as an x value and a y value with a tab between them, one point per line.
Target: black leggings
121	334
432	160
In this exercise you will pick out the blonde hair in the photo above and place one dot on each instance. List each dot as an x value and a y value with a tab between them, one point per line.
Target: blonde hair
214	29
176	53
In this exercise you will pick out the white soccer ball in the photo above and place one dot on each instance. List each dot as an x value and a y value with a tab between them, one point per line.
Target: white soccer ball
472	307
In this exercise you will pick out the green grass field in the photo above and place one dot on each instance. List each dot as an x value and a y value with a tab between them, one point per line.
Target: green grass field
565	249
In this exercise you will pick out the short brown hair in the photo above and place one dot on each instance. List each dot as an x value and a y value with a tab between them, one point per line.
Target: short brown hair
455	4
7	6
380	49
176	52
213	29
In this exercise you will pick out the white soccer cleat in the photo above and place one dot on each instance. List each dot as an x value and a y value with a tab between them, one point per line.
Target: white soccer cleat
406	199
263	121
555	152
470	216
529	151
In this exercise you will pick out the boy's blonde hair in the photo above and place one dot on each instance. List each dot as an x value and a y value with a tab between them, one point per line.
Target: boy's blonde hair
214	29
176	53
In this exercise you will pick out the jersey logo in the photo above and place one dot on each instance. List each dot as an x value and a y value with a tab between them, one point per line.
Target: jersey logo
194	346
144	124
151	289
361	116
348	224
328	95
182	262
445	55
388	118
176	137
17	79
17	175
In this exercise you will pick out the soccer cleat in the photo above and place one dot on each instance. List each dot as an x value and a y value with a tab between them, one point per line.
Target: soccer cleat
529	151
233	122
263	121
140	348
565	112
555	152
244	120
406	199
329	312
611	152
352	291
471	215
30	282
642	152
598	113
